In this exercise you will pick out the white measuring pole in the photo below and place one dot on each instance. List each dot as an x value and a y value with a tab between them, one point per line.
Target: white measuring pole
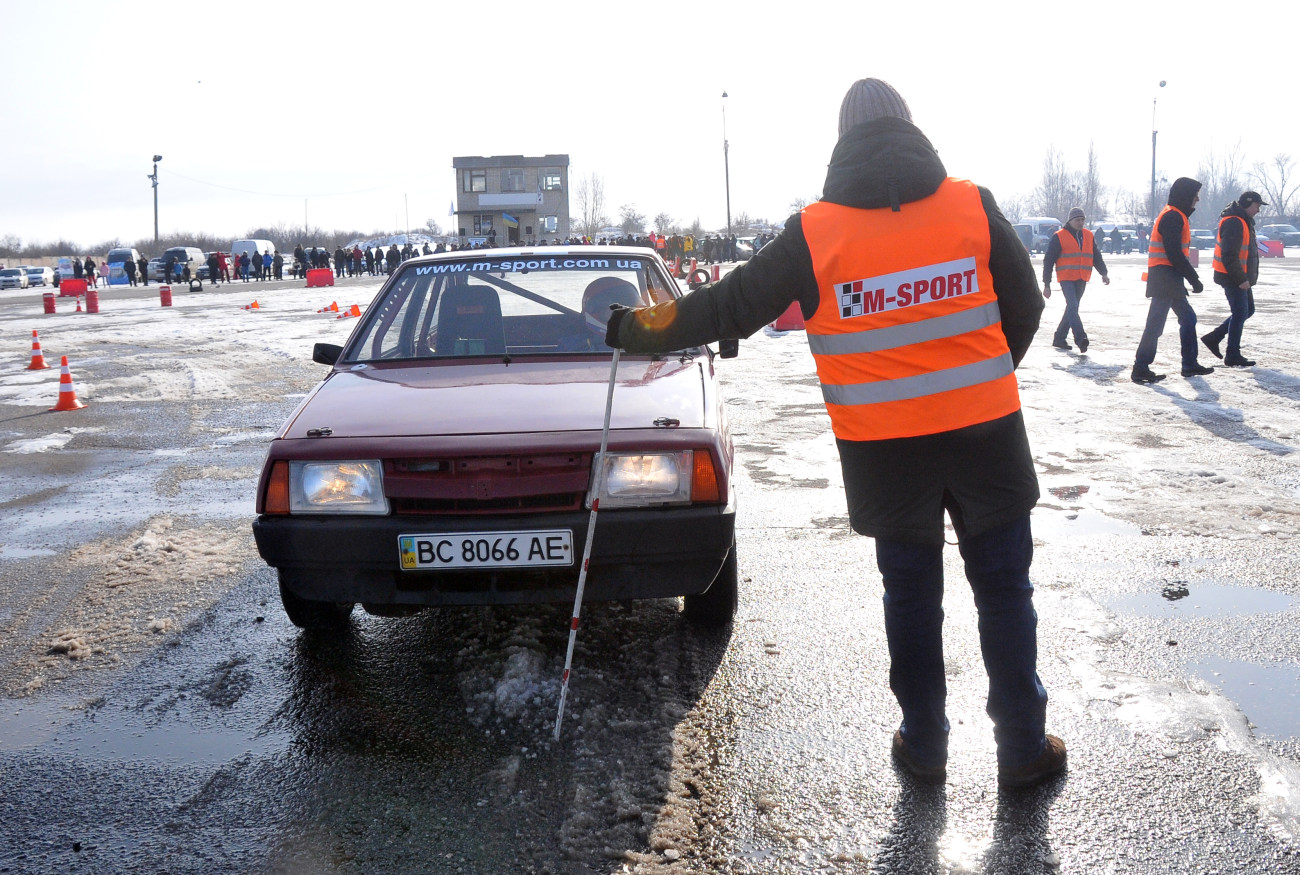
586	551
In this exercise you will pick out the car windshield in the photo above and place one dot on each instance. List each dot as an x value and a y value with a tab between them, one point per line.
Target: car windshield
10	271
535	303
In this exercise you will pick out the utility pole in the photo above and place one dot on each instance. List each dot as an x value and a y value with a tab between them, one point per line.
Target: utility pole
154	177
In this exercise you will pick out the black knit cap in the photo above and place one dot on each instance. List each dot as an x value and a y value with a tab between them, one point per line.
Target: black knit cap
870	99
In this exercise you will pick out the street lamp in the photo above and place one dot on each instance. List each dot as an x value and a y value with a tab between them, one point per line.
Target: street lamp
154	178
1153	158
726	162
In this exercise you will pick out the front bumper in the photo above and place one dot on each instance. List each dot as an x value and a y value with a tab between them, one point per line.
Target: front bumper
636	554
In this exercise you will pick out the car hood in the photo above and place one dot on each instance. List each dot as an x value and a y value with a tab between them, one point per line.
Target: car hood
496	398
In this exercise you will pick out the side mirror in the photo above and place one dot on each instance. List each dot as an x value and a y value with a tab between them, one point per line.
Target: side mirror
326	353
727	349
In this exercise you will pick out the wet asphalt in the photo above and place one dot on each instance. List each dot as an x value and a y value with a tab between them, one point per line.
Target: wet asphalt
236	743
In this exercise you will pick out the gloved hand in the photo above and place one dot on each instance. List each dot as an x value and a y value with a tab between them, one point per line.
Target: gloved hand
1197	287
616	314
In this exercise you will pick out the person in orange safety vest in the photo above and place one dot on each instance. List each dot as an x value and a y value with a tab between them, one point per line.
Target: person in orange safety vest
1073	251
1236	269
919	301
1167	268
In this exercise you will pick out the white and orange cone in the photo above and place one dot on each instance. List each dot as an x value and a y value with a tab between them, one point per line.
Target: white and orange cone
252	306
354	310
332	308
67	395
38	357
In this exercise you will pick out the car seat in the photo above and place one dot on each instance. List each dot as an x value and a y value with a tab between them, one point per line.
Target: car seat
604	291
469	322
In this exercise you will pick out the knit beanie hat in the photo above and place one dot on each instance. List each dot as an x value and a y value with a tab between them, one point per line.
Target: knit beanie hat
869	99
1075	213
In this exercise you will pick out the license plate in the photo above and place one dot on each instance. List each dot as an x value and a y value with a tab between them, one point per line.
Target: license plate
486	550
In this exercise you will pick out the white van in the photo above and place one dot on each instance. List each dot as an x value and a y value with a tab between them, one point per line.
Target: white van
181	257
1042	229
252	247
116	258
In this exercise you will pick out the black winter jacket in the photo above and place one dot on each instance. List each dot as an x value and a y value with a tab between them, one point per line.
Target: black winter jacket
897	489
1164	279
1230	249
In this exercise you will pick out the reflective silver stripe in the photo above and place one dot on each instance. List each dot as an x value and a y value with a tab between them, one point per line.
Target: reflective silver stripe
920	385
905	335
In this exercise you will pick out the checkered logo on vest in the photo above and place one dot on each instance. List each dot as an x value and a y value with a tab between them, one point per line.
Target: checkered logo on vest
851	300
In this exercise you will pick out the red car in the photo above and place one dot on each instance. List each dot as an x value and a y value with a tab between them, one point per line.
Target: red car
448	457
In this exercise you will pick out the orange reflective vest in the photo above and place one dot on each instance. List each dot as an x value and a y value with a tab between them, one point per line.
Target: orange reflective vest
1075	262
907	336
1243	252
1156	252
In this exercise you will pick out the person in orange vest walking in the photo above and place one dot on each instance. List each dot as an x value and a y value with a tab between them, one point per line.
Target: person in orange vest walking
1236	268
1074	253
1167	268
919	301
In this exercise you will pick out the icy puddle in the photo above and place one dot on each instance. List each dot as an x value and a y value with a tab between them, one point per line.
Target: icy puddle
1201	600
1269	695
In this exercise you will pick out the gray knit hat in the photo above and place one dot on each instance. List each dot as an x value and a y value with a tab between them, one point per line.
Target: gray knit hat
869	99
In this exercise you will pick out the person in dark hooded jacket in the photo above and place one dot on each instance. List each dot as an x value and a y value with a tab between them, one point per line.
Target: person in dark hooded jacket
1167	267
1236	235
918	298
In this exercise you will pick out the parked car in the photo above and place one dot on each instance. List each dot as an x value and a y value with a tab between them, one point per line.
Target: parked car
1041	230
1202	238
1288	234
13	278
39	276
156	268
451	454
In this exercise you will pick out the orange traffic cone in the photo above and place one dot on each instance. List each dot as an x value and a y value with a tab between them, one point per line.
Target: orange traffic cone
332	308
78	304
67	395
354	310
38	357
252	306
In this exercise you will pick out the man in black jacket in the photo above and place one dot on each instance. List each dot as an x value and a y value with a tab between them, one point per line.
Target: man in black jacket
1236	235
884	174
1167	267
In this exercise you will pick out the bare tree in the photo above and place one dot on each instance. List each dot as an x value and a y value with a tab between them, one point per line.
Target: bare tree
1093	192
799	203
1054	193
696	230
630	220
591	206
1133	207
663	224
1277	182
1220	175
433	227
740	223
11	245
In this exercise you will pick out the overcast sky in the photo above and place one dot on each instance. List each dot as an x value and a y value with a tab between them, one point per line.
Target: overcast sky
350	114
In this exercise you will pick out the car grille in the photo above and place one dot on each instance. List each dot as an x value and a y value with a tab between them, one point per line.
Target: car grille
487	485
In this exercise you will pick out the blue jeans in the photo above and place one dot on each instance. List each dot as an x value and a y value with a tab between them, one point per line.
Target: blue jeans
997	567
1242	304
1072	291
1156	315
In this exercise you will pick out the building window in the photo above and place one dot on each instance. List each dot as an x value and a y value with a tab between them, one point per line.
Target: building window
549	224
474	180
482	225
550	177
512	179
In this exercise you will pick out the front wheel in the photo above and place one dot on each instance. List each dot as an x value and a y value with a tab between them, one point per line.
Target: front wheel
717	605
312	614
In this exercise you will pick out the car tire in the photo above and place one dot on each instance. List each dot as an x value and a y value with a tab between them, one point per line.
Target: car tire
717	605
311	614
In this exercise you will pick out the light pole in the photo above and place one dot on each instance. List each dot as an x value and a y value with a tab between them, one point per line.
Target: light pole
1153	158
154	177
726	162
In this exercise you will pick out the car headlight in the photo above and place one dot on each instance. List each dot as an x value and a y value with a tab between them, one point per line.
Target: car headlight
337	487
644	479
